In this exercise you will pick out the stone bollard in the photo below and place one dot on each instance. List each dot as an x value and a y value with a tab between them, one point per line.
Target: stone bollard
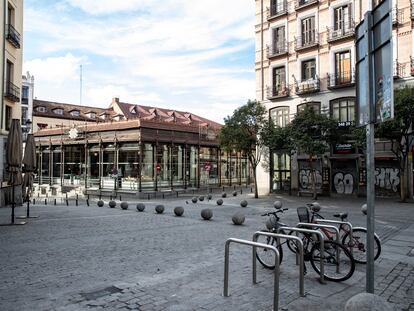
124	205
201	198
243	203
238	219
100	203
179	211
219	202
140	207
277	205
367	302
194	200
159	209
224	195
235	193
209	197
112	204
207	214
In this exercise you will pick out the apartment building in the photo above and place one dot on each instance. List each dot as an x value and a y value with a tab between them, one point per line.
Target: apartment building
305	57
27	103
11	28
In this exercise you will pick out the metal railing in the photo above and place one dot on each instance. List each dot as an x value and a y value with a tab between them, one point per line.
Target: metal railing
299	4
277	91
299	244
343	79
398	70
411	65
308	86
12	92
277	49
346	30
12	36
338	222
307	40
278	9
335	229
321	240
397	15
254	244
412	9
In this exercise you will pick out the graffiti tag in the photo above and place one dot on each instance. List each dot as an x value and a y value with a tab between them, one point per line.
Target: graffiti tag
343	183
387	178
305	179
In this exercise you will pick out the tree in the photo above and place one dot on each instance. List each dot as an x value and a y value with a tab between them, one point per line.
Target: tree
242	132
400	132
312	133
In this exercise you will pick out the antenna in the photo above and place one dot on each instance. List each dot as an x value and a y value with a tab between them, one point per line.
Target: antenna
80	95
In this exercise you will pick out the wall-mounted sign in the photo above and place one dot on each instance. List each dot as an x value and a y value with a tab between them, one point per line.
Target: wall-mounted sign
73	133
344	149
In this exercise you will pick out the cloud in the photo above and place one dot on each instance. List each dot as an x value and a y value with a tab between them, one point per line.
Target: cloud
180	54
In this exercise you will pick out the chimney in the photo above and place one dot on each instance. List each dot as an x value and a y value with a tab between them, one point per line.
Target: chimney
115	100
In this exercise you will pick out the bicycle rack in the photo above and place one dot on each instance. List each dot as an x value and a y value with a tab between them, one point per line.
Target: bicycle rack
348	224
301	261
254	244
307	224
320	236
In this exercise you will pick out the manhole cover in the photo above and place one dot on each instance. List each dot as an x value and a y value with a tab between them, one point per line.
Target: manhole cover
101	293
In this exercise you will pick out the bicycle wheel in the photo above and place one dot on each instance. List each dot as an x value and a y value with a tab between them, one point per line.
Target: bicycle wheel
292	244
267	257
358	245
335	270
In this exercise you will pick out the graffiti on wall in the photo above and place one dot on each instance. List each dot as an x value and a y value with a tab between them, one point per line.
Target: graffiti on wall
344	183
387	178
305	179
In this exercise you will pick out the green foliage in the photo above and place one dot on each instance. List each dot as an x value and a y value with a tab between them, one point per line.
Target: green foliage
242	130
276	138
311	133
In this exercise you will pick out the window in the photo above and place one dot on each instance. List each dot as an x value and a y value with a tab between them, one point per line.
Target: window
9	71
41	126
25	116
343	109
277	6
279	40
309	70
343	67
8	117
75	113
41	109
58	111
342	17
315	106
25	92
280	116
279	78
308	30
92	115
10	15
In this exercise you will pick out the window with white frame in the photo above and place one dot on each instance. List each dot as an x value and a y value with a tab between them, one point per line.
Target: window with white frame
315	106
58	111
75	113
280	116
308	30
41	109
308	69
279	40
343	109
342	17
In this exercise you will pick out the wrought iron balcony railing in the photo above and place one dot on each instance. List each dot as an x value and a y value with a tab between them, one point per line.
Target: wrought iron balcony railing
277	49
346	30
13	36
308	86
300	4
12	92
307	40
397	16
398	70
278	91
412	65
340	80
278	9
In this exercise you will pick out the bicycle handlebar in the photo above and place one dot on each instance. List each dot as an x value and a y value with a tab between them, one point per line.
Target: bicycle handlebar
274	213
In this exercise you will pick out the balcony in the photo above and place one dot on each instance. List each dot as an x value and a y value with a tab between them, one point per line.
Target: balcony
344	79
12	36
308	86
302	4
398	70
277	91
346	31
412	9
412	65
397	16
12	92
308	41
277	49
277	10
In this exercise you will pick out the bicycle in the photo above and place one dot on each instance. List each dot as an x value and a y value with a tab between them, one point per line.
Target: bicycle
312	251
359	234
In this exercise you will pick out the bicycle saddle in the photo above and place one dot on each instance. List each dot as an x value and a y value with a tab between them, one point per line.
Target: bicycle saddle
343	216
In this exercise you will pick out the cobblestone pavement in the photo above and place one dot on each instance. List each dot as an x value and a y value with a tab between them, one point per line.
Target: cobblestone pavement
91	258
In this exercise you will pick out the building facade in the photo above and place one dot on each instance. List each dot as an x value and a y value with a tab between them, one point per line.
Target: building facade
27	103
135	148
305	57
11	27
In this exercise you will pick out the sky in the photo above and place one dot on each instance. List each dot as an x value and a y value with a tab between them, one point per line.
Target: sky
188	55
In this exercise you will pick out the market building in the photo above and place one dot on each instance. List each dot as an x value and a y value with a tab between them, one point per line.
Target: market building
305	57
132	148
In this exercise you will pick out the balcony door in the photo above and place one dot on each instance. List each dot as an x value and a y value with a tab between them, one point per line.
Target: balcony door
279	78
343	67
309	70
308	30
342	18
279	38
